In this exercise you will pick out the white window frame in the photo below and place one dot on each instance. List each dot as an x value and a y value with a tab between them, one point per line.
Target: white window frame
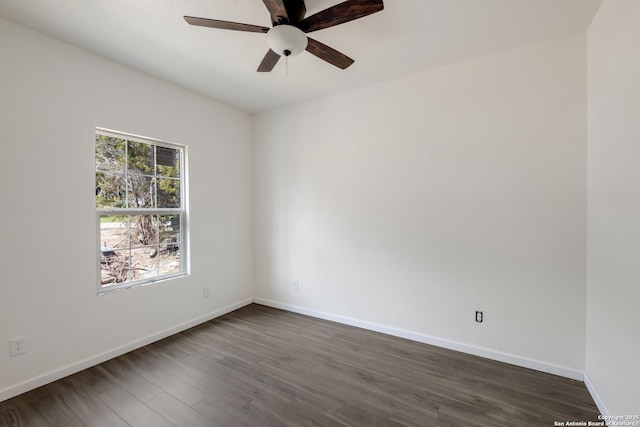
182	212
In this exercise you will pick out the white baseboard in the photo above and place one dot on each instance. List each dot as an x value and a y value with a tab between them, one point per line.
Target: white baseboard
595	395
575	374
525	362
72	368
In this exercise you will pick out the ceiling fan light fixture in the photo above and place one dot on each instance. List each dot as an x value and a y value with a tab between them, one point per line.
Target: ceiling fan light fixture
286	40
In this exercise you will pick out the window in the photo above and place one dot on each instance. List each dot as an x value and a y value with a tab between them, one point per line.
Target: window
140	210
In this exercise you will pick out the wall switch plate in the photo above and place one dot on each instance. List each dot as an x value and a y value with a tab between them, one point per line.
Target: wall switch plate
296	285
16	347
206	292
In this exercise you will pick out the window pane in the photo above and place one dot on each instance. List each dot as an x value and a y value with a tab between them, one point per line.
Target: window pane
114	232
140	158
169	259
144	263
114	249
169	249
141	192
110	154
144	230
168	192
169	229
114	266
110	190
167	162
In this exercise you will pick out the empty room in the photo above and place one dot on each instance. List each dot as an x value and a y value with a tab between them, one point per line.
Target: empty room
293	213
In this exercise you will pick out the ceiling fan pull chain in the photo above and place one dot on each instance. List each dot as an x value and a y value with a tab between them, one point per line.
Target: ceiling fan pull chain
286	65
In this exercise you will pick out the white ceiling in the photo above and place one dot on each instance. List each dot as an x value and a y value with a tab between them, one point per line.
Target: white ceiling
408	36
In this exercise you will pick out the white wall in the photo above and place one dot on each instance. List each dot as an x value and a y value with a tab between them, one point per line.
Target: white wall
410	204
52	96
613	292
415	202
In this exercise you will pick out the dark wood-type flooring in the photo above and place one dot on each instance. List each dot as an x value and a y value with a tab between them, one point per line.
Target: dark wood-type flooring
259	366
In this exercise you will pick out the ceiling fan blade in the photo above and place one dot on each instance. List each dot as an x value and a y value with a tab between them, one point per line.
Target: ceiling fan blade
268	62
339	14
225	25
277	10
328	54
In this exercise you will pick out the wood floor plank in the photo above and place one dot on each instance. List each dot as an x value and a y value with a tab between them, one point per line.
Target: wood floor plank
268	416
164	379
252	386
353	415
131	410
179	413
91	410
129	380
224	413
56	412
363	395
18	413
259	366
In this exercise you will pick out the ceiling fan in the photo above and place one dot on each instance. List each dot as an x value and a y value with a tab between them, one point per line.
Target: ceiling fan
287	37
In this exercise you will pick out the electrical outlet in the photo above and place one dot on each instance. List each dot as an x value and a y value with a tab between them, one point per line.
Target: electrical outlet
206	292
296	285
16	347
479	316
